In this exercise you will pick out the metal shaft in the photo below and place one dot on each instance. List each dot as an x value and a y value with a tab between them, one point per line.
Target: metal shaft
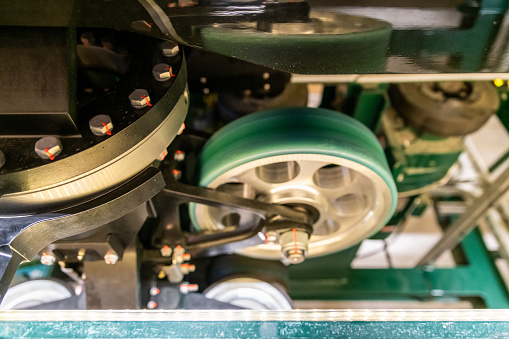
467	221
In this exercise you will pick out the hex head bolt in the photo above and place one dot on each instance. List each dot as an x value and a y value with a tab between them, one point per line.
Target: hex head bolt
162	72
294	246
110	258
101	125
170	48
48	148
139	98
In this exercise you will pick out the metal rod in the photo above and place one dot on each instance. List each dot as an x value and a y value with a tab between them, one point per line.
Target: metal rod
467	221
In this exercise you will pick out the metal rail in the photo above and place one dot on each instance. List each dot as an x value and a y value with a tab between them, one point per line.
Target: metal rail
466	222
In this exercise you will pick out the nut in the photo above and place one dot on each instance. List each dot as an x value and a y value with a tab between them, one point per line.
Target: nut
170	48
271	237
101	125
294	246
139	98
48	147
48	259
162	72
110	258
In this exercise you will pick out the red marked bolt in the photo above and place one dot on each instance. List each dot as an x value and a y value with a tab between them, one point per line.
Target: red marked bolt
186	256
179	155
182	128
170	49
166	251
48	259
154	291
48	148
162	72
163	155
101	125
177	174
140	98
110	258
186	288
151	305
186	268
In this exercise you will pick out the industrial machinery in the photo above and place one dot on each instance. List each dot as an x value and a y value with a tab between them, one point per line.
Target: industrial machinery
168	155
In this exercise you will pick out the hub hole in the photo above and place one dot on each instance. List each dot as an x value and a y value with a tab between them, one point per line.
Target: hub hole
231	220
334	176
329	226
279	172
351	204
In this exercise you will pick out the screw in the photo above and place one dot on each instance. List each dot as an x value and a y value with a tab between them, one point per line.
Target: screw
101	125
186	288
179	155
177	174
48	259
186	268
154	291
141	26
166	251
182	128
162	72
203	80
139	98
163	154
266	76
186	256
48	148
161	275
294	246
170	48
110	258
271	237
151	305
2	159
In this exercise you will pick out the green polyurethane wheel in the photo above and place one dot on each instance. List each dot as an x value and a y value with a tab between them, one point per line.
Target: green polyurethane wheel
316	159
328	44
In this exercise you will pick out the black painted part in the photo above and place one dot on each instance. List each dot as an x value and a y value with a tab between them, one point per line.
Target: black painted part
34	86
24	170
23	237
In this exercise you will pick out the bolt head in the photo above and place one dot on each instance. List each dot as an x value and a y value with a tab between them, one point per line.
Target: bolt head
166	251
48	147
179	156
110	258
295	258
272	237
170	49
139	98
48	259
154	291
151	305
162	72
101	125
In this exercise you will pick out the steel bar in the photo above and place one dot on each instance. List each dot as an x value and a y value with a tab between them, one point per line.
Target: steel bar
466	222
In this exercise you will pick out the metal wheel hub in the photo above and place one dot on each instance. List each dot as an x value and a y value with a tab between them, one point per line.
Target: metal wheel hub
348	200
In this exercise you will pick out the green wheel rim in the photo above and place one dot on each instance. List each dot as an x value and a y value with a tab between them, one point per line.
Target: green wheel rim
302	133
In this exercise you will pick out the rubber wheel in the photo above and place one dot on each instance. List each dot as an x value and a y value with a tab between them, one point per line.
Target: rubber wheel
437	112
